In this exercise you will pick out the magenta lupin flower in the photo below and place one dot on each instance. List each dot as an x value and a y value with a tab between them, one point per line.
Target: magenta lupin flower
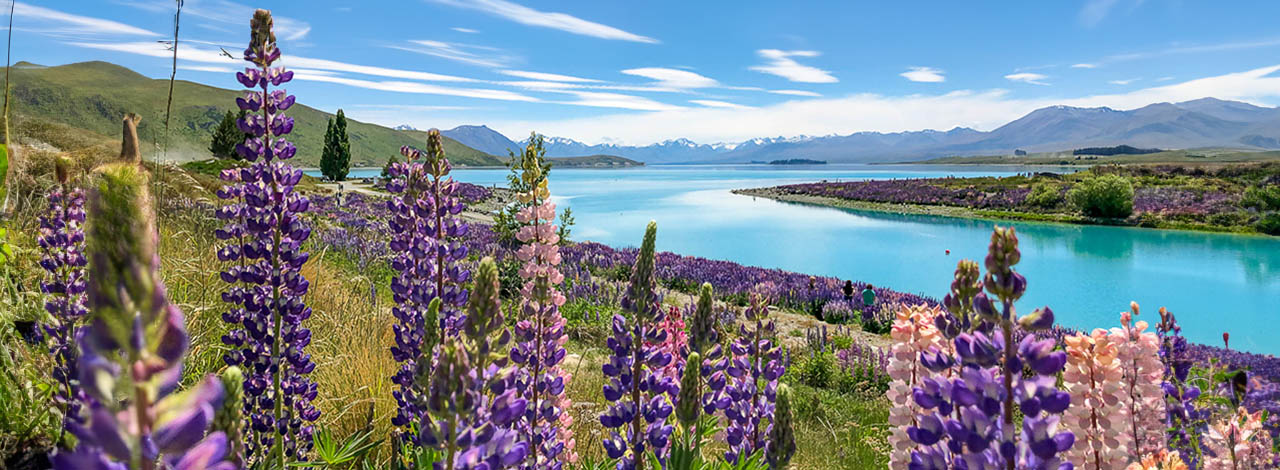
264	234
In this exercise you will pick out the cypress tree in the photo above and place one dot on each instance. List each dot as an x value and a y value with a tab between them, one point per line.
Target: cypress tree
225	137
335	159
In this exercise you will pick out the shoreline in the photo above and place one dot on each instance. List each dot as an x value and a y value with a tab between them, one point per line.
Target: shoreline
966	213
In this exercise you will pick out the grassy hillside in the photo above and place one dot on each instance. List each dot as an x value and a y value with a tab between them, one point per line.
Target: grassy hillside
1201	155
94	95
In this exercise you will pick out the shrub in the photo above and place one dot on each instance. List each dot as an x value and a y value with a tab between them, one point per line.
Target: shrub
818	370
1262	198
1269	224
1044	195
1108	196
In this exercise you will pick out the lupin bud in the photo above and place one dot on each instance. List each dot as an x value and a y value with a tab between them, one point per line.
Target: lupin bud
61	169
782	436
228	418
702	329
689	403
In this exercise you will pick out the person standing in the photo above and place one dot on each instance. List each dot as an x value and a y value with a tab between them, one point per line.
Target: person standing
868	302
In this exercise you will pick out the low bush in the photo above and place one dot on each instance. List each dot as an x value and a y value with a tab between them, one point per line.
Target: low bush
1269	224
1109	196
1044	195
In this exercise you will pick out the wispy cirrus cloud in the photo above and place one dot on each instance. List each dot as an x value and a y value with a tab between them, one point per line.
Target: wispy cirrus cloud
618	100
673	78
548	77
484	56
53	22
719	104
465	30
1027	77
559	21
780	63
924	74
418	88
224	15
795	92
1123	82
1084	65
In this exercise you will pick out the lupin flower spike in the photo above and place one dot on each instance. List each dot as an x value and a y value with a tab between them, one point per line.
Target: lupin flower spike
639	396
135	342
540	330
264	232
753	372
470	408
782	436
61	240
425	231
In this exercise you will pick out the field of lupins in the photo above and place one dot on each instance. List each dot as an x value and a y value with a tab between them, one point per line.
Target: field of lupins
301	329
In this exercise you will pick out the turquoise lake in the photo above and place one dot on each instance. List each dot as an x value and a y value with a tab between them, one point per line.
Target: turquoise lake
1214	283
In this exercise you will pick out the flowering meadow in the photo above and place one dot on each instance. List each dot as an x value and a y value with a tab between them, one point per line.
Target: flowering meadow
1162	196
163	319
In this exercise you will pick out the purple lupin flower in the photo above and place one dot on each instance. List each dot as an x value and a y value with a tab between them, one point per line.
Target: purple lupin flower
265	233
135	343
62	242
753	375
970	417
1186	422
540	333
640	396
425	231
470	407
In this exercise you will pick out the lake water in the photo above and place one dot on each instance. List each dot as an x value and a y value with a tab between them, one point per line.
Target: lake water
1087	274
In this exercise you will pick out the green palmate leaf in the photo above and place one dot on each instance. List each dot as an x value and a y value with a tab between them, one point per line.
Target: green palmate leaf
333	453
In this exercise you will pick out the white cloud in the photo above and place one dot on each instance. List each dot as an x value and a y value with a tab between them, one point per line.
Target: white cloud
419	88
1027	77
869	112
796	93
617	100
208	68
673	78
465	30
924	74
1123	82
780	63
1164	79
73	24
1084	65
561	21
224	12
409	107
483	56
719	104
549	77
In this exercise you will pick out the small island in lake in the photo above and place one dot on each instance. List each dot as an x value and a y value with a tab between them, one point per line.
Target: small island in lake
798	161
594	161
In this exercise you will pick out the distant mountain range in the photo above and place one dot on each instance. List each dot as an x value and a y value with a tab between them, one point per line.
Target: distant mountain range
94	95
1206	122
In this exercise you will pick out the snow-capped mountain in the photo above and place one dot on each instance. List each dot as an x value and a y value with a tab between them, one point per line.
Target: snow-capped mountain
1206	122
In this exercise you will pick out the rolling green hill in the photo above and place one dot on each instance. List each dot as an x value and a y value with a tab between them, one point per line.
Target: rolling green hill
593	161
95	95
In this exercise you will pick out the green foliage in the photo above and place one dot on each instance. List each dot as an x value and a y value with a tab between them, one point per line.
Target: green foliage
839	342
212	167
1262	198
1269	223
4	175
331	453
1109	196
226	136
782	438
335	158
566	225
818	370
386	169
1044	195
532	160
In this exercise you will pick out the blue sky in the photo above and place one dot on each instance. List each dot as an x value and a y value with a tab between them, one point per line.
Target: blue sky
640	72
